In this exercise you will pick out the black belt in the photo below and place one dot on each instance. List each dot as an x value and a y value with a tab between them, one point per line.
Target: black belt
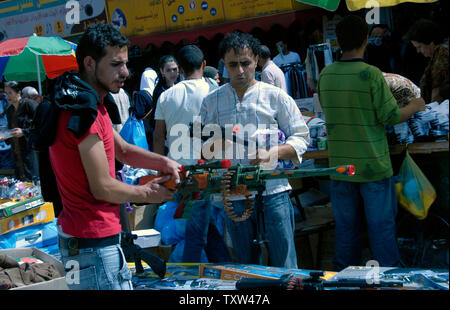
73	244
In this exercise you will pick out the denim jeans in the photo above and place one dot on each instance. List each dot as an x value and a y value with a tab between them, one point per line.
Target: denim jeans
279	225
103	268
202	233
380	207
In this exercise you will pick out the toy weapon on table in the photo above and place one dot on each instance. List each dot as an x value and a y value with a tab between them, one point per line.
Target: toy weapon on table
204	179
311	283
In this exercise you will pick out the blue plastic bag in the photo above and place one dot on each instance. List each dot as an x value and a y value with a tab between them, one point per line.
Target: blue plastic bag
133	131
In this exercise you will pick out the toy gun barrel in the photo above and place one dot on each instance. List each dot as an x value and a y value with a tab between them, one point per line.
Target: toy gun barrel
217	164
303	173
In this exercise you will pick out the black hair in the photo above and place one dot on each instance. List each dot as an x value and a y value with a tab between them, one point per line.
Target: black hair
351	32
237	41
166	59
95	39
13	85
382	26
264	52
190	58
210	72
425	31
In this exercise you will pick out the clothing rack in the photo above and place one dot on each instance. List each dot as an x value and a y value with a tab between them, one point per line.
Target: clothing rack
295	74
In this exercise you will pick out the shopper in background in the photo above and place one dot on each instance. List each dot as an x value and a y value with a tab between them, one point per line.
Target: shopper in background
212	73
271	73
357	105
285	56
168	68
20	113
426	37
178	106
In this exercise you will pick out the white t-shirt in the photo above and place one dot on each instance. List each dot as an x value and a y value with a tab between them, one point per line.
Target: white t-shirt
148	80
177	106
290	58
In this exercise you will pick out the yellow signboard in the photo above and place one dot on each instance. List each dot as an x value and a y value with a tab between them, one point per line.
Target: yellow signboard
240	9
188	14
136	17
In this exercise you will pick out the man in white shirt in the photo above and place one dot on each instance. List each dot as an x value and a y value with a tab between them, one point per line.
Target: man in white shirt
175	110
149	78
285	56
271	73
246	102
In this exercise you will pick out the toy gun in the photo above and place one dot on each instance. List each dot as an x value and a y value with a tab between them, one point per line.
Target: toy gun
204	179
134	252
311	283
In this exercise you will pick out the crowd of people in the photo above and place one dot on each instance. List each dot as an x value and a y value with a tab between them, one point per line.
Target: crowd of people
86	134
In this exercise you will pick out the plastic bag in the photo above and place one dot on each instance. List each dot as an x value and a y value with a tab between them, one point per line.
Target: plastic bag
133	132
414	192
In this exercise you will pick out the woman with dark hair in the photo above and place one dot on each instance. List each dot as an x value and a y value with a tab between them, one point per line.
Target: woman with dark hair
168	68
426	37
20	114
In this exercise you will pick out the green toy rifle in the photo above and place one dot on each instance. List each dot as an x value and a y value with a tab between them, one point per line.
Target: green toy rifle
219	177
205	179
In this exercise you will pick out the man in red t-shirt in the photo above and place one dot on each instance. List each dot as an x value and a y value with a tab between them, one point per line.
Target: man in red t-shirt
83	160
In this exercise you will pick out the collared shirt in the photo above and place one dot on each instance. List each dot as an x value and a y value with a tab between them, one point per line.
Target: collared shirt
263	106
272	74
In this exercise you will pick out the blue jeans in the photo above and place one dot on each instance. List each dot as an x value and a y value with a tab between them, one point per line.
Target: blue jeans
279	225
202	233
380	207
103	268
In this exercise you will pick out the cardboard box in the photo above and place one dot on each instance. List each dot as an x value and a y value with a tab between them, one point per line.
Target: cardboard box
147	238
234	272
39	215
55	284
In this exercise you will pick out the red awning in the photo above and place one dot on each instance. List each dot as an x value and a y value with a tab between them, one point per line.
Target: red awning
264	23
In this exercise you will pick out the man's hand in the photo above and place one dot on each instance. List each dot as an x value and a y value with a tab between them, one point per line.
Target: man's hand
16	132
418	104
267	159
171	167
156	192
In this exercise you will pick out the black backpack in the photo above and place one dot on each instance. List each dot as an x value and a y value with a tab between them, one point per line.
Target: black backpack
42	136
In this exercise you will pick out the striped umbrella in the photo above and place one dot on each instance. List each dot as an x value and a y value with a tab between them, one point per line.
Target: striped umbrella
33	58
354	5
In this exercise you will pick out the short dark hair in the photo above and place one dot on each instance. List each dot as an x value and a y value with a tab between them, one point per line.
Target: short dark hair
210	72
264	52
190	58
95	39
13	85
382	26
351	32
237	41
425	31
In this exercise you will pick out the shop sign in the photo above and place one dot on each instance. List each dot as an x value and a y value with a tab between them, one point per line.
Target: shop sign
190	14
21	18
137	17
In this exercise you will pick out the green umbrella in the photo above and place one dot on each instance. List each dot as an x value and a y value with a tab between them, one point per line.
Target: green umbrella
33	58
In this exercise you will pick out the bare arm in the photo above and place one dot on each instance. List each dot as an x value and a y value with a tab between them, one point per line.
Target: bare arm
140	158
107	188
159	136
415	105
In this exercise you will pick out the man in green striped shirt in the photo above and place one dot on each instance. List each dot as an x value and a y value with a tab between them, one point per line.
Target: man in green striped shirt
358	105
